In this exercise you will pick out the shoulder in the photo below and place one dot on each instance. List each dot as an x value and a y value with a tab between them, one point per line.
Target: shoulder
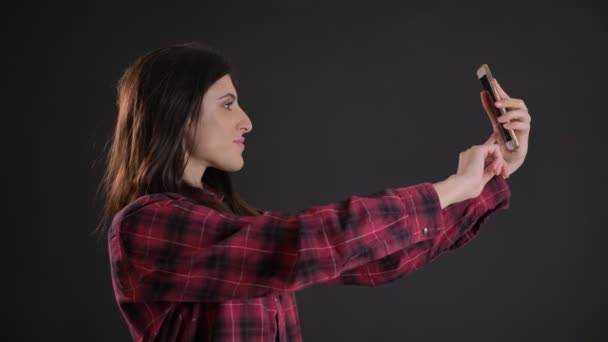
146	204
148	200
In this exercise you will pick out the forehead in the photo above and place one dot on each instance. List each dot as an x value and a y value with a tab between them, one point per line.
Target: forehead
222	86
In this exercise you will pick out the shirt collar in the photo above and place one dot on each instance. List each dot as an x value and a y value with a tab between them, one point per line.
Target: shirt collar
207	192
211	193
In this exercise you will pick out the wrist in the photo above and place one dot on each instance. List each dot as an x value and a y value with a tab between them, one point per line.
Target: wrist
451	190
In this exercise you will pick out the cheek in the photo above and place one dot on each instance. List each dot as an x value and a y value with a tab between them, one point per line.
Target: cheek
211	144
213	140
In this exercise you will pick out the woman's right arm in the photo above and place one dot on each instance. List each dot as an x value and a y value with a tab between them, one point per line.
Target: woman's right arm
174	250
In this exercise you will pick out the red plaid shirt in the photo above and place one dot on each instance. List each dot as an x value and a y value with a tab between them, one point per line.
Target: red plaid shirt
184	272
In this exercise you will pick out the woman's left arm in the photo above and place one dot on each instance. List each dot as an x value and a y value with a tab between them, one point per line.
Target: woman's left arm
462	222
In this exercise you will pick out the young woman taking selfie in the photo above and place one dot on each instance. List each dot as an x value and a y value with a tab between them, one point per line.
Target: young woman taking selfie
191	261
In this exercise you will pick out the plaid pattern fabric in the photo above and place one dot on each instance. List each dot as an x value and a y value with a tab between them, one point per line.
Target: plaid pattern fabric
184	272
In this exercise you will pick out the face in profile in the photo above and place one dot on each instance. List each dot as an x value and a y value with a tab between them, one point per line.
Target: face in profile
221	122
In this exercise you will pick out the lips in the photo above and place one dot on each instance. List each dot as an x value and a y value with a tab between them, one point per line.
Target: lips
240	142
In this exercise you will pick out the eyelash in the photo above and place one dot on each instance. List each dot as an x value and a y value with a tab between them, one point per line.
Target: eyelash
228	104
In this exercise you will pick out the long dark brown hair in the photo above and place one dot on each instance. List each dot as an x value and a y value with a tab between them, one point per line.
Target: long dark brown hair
156	96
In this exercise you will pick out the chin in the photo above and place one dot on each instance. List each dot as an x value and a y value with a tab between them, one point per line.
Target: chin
233	167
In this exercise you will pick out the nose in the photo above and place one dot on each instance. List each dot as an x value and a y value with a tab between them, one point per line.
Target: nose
246	123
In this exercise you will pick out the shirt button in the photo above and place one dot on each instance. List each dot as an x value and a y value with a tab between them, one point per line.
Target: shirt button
425	231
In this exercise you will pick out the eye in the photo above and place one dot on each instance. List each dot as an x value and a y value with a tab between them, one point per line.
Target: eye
228	104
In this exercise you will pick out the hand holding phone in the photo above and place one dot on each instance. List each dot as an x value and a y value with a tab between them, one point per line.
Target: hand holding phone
507	136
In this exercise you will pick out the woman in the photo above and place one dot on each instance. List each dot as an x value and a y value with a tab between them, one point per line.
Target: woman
191	261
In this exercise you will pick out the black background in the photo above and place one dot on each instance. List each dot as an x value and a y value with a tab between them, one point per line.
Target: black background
345	98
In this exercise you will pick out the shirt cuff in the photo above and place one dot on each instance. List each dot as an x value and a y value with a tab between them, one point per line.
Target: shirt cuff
423	206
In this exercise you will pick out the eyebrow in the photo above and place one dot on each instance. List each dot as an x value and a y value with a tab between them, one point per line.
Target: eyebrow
228	95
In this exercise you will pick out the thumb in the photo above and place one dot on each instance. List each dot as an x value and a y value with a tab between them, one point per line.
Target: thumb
494	155
488	173
491	140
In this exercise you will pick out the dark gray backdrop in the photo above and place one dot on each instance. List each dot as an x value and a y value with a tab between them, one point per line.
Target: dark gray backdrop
345	99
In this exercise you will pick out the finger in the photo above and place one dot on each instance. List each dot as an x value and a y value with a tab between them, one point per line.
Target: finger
490	153
491	140
501	168
505	171
494	152
503	95
512	103
519	125
488	173
498	167
492	160
515	115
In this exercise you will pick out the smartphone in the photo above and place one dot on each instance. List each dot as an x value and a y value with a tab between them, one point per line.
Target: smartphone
509	139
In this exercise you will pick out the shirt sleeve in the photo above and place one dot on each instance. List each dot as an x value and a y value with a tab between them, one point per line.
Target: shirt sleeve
461	221
174	250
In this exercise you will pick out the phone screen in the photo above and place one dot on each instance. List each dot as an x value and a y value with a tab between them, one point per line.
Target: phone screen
486	86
